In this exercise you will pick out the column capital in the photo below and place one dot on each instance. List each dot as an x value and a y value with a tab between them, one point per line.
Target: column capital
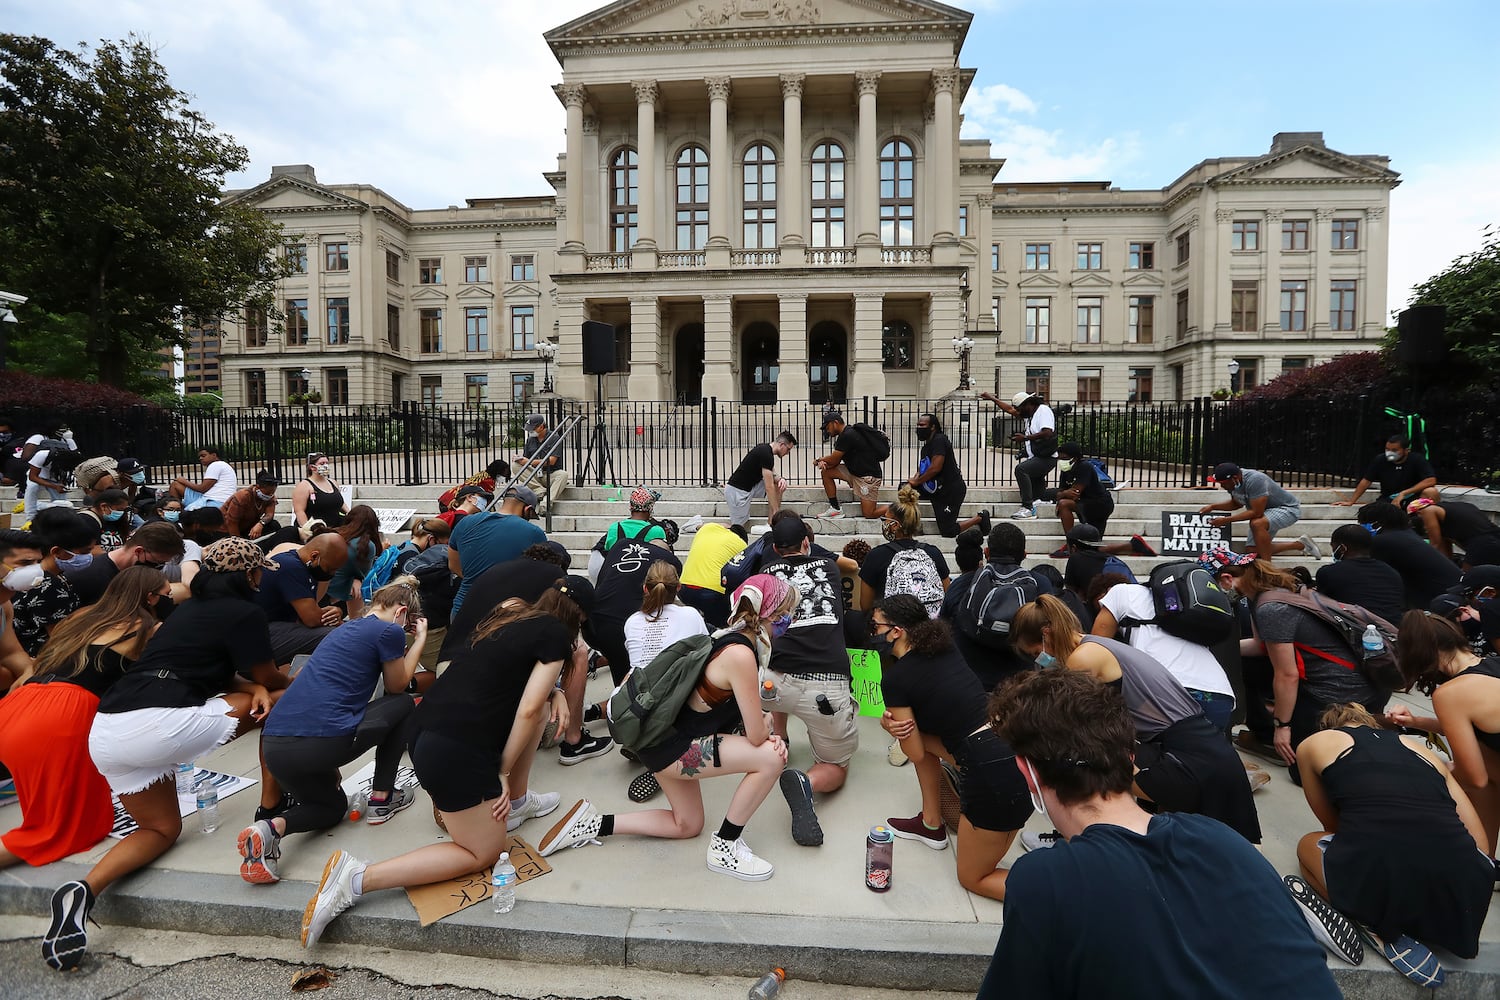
646	91
571	94
1222	215
984	200
945	78
929	113
718	87
590	125
792	297
1273	215
1324	214
791	84
643	300
867	81
1374	214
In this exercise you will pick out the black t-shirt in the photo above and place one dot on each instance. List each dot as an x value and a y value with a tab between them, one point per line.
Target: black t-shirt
950	478
873	569
815	641
527	579
617	594
1425	572
944	695
1367	582
90	582
991	665
203	645
756	461
1085	476
1395	479
858	450
1463	521
1114	914
475	700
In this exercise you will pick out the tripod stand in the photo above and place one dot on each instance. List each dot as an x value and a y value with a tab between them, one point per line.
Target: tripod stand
598	440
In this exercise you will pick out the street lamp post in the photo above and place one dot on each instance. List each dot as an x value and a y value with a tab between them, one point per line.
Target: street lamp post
1234	371
963	346
548	351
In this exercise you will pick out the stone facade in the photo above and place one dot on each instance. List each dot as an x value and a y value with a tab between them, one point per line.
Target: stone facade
769	199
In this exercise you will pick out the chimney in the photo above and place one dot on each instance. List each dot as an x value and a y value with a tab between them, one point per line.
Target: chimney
1283	142
296	171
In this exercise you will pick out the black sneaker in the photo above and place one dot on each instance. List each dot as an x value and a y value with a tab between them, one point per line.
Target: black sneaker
1334	931
643	787
588	745
262	813
984	524
799	796
67	939
592	713
1139	547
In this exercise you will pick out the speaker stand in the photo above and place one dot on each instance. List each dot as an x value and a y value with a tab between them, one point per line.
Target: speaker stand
598	441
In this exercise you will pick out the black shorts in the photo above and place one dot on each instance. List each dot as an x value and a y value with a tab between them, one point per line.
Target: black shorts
456	775
992	793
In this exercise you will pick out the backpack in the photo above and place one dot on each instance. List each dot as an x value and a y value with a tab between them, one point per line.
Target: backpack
1105	479
1114	564
913	572
642	711
992	602
880	445
1189	604
379	574
1350	622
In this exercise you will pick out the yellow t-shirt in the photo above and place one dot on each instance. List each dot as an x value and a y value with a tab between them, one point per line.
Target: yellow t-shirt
713	546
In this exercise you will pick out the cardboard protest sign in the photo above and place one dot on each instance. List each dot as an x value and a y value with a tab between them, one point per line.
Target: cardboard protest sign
441	899
864	669
394	519
1189	533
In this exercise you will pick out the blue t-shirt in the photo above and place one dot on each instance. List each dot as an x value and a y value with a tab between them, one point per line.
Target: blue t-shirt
329	695
488	539
280	587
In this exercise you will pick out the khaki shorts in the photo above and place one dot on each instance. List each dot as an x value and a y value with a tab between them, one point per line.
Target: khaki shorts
864	487
834	738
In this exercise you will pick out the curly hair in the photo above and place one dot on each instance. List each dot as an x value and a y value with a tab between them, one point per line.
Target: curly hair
926	636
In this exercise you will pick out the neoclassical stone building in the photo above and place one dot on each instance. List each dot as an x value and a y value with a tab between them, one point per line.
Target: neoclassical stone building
769	199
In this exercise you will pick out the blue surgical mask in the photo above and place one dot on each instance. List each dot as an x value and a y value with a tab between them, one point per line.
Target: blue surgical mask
138	478
780	625
171	515
1046	660
113	515
75	563
1371	528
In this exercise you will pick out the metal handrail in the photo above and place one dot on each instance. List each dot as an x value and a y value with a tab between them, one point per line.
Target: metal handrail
529	474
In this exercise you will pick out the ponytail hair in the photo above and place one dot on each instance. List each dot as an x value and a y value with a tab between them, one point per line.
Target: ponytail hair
662	585
1425	640
1050	613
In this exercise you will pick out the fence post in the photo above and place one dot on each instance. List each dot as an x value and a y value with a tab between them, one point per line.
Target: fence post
1195	442
714	442
703	442
411	442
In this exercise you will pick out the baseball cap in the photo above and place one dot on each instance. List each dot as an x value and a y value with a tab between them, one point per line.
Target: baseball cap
130	465
235	554
1217	560
265	478
642	498
1085	536
535	420
1022	397
1071	449
830	415
470	491
789	533
522	493
561	550
1476	580
579	590
1226	470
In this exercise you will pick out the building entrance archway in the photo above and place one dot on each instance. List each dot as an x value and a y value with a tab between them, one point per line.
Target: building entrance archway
687	365
760	365
828	363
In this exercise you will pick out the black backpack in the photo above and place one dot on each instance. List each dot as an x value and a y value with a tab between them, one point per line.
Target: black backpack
992	602
880	445
1189	604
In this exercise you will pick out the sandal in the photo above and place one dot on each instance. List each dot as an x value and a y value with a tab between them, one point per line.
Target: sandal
643	787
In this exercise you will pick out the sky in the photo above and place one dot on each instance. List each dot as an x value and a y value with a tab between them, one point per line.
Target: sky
443	100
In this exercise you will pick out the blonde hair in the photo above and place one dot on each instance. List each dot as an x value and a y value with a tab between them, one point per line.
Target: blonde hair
1255	578
435	527
905	511
1350	714
662	584
401	590
1050	613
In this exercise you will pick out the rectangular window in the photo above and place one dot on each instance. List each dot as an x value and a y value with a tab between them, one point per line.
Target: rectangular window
395	388
255	387
393	265
522	385
1039	256
1341	304
523	267
432	390
393	326
1142	319
1294	364
1090	320
296	321
431	323
1244	234
296	255
1244	306
1090	385
296	385
255	326
1249	376
1090	256
963	220
430	271
1039	381
338	386
476	269
335	256
338	321
1142	257
476	389
1184	248
1038	320
1345	234
1141	384
1294	305
995	310
477	328
1294	234
994	256
1182	315
523	328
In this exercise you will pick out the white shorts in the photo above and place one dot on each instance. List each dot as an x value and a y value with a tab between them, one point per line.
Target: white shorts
135	749
739	501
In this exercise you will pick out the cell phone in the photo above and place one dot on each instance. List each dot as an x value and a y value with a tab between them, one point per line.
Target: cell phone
823	706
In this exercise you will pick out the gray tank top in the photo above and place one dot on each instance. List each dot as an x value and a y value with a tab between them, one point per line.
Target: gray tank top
1155	698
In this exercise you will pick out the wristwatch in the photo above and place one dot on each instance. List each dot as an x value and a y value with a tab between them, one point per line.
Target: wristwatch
1279	724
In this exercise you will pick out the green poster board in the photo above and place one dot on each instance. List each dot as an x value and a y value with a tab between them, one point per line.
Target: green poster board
864	668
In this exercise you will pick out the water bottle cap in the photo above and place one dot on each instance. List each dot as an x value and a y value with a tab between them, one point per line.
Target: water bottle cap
881	834
505	857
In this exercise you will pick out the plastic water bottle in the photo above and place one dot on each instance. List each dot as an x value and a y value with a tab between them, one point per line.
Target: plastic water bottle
208	805
503	885
769	985
770	694
1373	643
358	802
879	848
185	778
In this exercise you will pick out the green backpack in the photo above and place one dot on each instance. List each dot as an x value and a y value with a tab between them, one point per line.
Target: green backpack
642	711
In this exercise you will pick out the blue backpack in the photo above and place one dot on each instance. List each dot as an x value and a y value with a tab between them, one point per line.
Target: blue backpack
384	568
1105	479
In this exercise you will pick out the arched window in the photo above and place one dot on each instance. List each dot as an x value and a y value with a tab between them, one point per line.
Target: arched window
898	203
692	198
898	345
760	197
624	199
828	195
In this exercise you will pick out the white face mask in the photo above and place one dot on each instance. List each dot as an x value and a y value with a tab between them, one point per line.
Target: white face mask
1392	456
1034	787
1065	465
23	578
321	468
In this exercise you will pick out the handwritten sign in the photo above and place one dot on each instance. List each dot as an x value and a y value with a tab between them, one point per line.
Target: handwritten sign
394	519
441	899
1184	533
864	668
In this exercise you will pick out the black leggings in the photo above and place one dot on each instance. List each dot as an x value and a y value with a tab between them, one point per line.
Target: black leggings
308	766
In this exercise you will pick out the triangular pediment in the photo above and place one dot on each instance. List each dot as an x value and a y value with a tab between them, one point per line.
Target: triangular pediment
1145	279
427	293
475	292
652	17
523	289
1039	281
291	194
1304	163
1090	280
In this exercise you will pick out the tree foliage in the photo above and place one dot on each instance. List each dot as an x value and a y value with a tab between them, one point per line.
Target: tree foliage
1345	377
1470	289
110	211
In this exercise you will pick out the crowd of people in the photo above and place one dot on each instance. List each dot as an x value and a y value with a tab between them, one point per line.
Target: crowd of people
145	627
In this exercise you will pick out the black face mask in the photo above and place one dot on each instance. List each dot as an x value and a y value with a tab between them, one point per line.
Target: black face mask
319	573
164	608
924	433
882	644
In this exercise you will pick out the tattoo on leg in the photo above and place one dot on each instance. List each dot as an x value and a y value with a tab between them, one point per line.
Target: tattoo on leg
699	752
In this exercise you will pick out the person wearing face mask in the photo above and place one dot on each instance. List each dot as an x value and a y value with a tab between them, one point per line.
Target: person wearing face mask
155	545
251	511
317	496
109	510
468	500
936	707
1133	906
1182	763
289	597
1079	492
1425	571
20	570
919	568
1403	476
939	479
1456	521
66	537
703	744
1263	502
1356	577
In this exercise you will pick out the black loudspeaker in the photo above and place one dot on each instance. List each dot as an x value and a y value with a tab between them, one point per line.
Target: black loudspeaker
598	348
1423	339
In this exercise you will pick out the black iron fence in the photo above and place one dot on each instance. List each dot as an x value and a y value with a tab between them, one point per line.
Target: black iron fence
1301	443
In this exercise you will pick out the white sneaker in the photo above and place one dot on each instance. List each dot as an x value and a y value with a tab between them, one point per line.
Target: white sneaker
832	512
335	895
735	858
537	804
579	827
1040	841
895	754
1310	547
1024	514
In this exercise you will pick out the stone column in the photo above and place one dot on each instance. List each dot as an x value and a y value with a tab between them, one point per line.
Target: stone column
980	315
1270	293
718	346
867	188
645	349
1319	294
570	380
789	216
792	382
645	145
867	378
573	95
719	158
944	322
944	153
1374	252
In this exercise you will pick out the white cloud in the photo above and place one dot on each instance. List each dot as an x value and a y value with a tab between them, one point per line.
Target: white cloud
1438	213
988	103
1005	116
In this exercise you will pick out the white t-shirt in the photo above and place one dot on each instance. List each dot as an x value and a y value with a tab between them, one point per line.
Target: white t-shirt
1041	420
42	463
1193	665
224	479
645	638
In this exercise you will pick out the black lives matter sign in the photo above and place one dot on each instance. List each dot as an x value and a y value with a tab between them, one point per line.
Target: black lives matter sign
1190	533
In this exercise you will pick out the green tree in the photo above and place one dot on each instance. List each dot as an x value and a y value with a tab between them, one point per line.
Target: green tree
1470	289
110	211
